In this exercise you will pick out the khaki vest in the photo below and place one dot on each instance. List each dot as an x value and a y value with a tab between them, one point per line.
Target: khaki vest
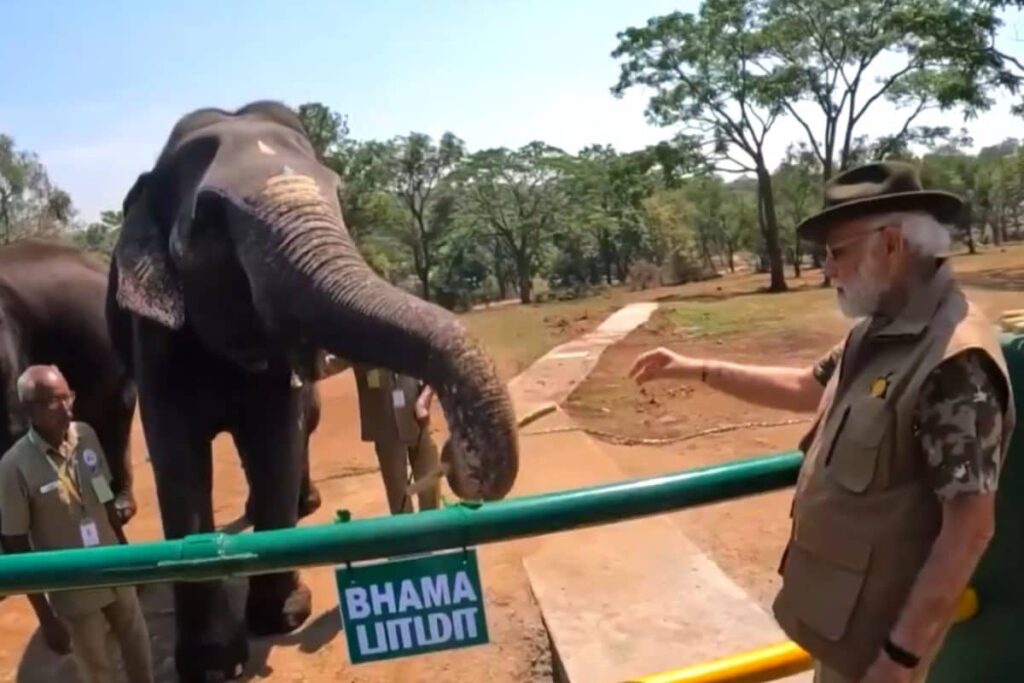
864	514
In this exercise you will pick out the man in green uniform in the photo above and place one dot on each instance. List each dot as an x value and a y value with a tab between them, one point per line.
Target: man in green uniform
55	494
894	504
394	412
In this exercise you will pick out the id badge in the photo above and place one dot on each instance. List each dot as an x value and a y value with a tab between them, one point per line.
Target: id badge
90	534
373	379
398	398
102	489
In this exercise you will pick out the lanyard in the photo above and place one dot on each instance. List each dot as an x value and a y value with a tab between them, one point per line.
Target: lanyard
68	482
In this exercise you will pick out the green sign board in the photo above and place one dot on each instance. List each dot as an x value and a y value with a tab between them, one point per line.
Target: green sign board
411	606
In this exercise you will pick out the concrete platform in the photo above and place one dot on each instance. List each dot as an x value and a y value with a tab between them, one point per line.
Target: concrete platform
633	598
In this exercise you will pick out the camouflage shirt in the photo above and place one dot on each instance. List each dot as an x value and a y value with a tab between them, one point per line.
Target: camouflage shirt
959	421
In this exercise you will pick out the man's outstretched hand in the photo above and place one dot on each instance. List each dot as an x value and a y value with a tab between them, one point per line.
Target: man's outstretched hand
664	364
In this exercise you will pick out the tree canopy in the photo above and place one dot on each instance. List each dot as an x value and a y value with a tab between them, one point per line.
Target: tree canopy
461	225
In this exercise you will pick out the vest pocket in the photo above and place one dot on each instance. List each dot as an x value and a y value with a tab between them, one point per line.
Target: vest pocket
854	451
823	576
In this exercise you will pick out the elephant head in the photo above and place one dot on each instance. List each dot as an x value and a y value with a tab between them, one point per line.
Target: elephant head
237	233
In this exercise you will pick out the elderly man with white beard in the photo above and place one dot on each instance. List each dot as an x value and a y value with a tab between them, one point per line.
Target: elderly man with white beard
894	504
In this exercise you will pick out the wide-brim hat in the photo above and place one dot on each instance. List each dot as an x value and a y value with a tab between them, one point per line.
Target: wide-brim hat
878	188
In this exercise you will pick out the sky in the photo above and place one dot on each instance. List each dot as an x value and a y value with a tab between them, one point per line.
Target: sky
93	88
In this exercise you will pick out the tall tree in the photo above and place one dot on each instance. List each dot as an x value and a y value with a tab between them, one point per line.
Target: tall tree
518	195
843	59
708	73
30	204
419	170
798	185
326	129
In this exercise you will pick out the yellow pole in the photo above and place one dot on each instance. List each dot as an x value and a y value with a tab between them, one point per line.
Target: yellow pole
772	662
757	666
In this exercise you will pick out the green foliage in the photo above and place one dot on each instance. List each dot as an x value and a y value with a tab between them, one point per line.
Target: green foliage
843	58
515	196
102	235
709	71
30	204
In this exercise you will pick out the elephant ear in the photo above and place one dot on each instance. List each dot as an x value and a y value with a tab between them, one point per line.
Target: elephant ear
154	208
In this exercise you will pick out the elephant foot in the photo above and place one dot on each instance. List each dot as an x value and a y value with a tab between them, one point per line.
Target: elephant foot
212	661
309	503
277	604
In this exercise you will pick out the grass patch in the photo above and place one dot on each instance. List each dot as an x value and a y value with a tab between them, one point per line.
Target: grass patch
517	335
747	315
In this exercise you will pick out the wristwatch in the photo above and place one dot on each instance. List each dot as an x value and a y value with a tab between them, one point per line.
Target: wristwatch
902	657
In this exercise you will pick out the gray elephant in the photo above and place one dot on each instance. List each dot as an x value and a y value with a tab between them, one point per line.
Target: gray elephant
232	271
52	311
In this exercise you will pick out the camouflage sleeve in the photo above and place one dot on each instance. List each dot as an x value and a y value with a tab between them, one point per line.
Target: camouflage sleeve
959	417
826	365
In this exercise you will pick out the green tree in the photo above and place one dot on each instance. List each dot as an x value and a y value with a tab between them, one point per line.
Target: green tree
418	179
708	73
669	216
102	235
843	58
798	182
327	129
517	196
30	204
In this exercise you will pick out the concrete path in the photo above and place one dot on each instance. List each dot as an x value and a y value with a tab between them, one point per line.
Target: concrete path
626	599
557	373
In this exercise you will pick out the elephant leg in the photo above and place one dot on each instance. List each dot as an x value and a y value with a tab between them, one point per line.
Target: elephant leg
211	641
309	496
269	438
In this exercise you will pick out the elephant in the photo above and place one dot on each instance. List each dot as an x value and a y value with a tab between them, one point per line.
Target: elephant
232	273
52	311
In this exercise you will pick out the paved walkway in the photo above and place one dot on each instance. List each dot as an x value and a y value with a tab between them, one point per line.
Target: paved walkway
626	599
557	373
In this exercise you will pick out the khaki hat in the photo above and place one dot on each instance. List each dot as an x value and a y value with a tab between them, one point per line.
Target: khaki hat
878	188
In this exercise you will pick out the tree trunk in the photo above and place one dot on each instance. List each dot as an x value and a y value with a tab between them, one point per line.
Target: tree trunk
499	272
525	279
525	289
770	229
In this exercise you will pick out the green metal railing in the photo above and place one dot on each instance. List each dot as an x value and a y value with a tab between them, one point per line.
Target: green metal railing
213	555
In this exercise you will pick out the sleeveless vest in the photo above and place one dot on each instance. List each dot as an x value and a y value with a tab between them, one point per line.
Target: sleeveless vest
864	515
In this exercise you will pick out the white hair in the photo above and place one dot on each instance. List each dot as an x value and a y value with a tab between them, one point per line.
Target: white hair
27	384
922	232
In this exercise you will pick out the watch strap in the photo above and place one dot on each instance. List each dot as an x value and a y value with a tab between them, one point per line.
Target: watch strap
902	657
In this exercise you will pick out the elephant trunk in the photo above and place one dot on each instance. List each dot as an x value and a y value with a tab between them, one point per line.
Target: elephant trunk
314	289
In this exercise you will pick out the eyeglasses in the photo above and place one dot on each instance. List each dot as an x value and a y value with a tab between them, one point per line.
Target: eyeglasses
834	251
52	402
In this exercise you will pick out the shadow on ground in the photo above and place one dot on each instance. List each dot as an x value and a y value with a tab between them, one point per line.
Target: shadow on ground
40	665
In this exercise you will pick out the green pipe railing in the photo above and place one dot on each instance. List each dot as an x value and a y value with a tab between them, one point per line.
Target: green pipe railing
213	555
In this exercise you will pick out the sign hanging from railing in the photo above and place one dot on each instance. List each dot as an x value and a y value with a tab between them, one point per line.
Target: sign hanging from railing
412	606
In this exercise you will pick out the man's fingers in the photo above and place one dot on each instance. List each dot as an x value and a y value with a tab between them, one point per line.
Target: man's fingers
644	361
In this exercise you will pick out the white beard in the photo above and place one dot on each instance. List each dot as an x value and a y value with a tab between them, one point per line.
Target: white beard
861	296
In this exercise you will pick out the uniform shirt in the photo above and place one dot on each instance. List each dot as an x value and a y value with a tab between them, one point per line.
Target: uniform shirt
958	419
387	405
47	494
